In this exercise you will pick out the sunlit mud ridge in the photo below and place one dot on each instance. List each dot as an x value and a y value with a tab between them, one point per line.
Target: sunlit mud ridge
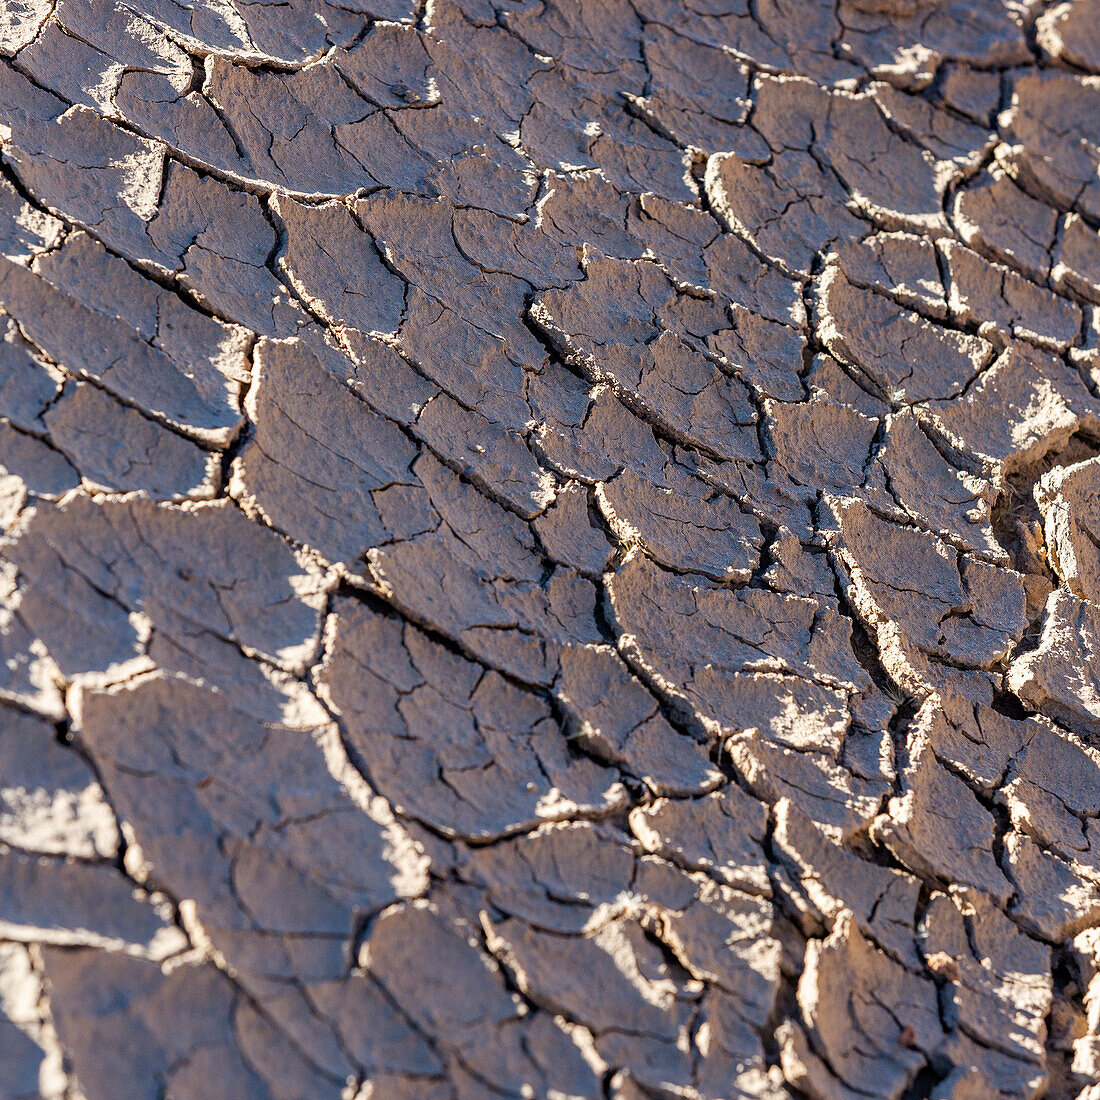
549	551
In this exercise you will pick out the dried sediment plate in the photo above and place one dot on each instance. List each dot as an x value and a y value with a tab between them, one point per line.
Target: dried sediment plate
549	549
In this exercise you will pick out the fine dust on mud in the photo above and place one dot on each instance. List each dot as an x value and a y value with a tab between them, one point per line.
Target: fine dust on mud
549	549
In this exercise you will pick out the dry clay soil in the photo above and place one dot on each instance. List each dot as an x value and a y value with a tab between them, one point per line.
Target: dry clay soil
549	549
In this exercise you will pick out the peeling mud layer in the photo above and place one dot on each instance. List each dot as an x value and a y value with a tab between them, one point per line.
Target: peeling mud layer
549	550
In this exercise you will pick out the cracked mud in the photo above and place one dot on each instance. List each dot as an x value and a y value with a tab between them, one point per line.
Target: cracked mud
549	549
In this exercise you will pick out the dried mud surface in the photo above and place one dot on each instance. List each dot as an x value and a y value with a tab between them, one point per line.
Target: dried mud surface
550	549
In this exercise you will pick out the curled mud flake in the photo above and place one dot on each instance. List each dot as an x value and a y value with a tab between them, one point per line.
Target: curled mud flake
994	217
670	945
1071	32
1060	677
335	267
73	904
176	1028
953	846
884	33
1051	133
51	801
1026	405
721	835
1067	498
906	357
961	612
1004	305
931	492
115	448
1077	259
193	397
830	883
867	1024
790	209
477	1026
443	734
616	719
316	451
685	526
182	577
900	265
997	983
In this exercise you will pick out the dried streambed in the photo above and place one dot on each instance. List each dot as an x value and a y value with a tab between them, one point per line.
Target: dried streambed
549	550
